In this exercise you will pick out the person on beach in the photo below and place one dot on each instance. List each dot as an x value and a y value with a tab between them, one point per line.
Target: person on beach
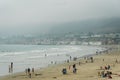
106	74
28	70
9	69
74	65
51	62
74	70
109	74
45	55
108	67
33	70
64	71
103	74
68	61
11	66
91	58
70	58
29	73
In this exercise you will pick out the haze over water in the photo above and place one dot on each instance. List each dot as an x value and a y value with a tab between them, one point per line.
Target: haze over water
28	18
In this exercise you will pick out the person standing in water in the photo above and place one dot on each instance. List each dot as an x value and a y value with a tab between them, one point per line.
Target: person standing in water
11	66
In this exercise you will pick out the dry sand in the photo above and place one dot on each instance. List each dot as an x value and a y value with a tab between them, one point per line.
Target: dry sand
85	71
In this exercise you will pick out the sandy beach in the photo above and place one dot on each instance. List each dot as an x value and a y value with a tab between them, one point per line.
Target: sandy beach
86	70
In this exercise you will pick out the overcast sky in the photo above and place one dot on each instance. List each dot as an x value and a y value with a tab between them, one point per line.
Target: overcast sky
22	16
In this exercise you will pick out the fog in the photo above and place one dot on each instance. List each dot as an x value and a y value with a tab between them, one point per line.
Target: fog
43	16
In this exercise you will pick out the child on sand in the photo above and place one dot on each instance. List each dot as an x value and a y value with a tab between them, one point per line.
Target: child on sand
64	71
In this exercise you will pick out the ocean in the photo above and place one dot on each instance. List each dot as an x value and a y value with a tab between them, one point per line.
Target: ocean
39	56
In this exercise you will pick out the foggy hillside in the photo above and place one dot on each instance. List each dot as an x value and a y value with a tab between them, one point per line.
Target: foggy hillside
95	25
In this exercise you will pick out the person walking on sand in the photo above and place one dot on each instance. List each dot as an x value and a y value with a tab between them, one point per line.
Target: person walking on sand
74	65
28	70
74	68
29	73
91	58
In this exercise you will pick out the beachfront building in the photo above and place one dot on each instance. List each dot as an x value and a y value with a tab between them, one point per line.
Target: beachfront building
65	39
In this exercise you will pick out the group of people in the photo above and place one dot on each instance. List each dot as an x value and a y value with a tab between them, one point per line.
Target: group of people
88	59
64	70
105	74
28	72
105	68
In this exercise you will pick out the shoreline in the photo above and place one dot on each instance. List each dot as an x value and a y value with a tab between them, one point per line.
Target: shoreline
64	61
36	62
6	77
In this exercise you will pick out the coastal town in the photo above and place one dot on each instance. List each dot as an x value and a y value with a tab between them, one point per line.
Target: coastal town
63	39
